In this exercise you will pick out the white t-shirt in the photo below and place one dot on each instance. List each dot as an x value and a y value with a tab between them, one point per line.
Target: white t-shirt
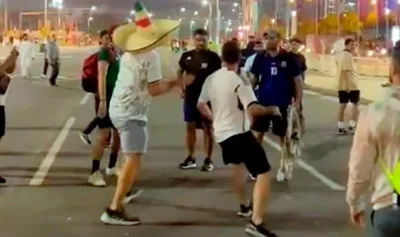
130	99
224	89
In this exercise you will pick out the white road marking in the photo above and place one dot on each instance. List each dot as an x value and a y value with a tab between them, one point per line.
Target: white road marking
85	98
48	161
328	182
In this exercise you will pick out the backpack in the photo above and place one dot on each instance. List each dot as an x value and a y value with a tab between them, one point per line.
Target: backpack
90	71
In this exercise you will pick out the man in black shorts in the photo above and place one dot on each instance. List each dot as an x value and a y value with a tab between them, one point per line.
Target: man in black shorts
197	65
229	95
279	81
108	64
347	87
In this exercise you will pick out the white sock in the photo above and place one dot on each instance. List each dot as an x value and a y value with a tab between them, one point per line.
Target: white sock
340	124
352	123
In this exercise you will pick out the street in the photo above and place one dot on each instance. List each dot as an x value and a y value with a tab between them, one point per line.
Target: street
47	167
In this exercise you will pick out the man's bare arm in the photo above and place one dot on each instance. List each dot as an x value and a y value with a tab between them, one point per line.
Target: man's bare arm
8	66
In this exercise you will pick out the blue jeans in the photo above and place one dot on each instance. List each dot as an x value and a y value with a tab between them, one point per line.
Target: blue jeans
385	222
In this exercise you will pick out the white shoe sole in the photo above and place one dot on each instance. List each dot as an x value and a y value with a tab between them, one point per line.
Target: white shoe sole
109	221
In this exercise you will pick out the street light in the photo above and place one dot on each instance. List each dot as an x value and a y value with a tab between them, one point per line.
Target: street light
183	9
387	13
197	13
132	12
151	15
210	12
374	3
93	8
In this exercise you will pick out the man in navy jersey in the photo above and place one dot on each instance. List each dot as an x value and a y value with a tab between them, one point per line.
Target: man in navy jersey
278	77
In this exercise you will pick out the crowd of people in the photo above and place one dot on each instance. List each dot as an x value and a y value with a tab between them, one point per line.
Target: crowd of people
235	98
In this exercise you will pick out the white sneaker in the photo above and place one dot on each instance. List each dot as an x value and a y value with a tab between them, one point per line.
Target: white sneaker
44	76
112	171
280	176
289	170
96	179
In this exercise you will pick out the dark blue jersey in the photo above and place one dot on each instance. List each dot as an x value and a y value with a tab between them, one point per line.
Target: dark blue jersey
276	78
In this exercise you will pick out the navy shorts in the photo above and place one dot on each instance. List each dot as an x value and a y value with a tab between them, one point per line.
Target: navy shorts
192	114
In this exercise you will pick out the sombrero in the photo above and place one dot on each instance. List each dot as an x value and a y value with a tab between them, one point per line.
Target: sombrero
144	33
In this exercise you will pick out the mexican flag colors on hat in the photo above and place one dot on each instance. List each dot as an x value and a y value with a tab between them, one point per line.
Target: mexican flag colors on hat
142	16
145	34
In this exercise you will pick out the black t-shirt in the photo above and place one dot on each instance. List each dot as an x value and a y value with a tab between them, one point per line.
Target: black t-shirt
201	64
300	60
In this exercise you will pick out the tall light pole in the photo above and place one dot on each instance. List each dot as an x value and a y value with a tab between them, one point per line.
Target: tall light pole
387	13
375	4
46	5
316	16
210	13
5	15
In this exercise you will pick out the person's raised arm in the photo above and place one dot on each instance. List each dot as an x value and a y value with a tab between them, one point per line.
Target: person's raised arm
8	66
158	85
249	101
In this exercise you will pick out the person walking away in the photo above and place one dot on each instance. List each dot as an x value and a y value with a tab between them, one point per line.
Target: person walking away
26	56
54	60
46	57
105	39
139	79
108	69
198	63
229	96
374	165
278	78
7	67
347	87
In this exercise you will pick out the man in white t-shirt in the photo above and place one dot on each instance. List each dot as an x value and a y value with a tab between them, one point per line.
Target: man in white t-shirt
229	96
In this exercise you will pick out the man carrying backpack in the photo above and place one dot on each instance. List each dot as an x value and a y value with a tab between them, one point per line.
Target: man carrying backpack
102	82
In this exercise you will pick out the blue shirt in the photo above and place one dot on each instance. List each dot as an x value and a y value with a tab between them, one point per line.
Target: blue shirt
276	78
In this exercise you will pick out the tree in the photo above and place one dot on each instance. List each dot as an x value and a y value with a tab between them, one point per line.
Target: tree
350	23
306	27
328	25
371	20
265	23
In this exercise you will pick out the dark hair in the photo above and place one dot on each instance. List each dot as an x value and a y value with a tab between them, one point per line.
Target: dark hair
231	52
265	34
348	41
103	33
200	31
295	40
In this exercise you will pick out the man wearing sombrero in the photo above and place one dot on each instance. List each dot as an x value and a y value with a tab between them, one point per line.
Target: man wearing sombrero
139	79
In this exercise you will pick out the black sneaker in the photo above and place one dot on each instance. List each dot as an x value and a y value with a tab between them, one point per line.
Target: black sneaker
2	180
245	211
208	165
351	129
342	131
188	163
258	230
85	138
111	217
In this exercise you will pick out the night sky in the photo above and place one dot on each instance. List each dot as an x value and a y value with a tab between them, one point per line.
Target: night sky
157	6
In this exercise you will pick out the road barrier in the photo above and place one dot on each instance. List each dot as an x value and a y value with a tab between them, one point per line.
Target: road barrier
364	66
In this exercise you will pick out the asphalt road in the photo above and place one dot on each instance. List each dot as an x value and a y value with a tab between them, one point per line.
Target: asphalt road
47	168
